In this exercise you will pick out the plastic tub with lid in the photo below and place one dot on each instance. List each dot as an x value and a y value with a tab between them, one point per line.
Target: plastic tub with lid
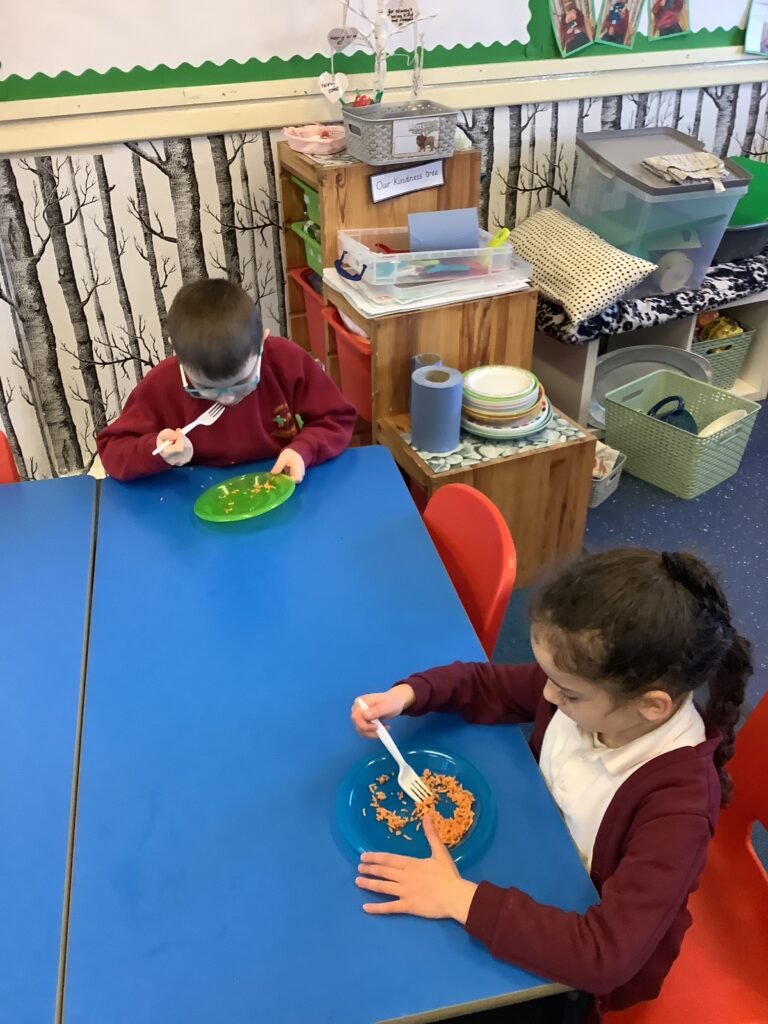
676	226
383	256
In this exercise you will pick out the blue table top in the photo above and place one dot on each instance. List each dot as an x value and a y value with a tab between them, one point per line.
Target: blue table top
45	545
223	661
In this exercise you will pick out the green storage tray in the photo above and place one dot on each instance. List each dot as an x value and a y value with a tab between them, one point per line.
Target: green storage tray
314	251
670	458
726	356
311	200
752	208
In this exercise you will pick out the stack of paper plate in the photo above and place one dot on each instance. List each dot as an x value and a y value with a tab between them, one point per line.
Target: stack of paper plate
503	402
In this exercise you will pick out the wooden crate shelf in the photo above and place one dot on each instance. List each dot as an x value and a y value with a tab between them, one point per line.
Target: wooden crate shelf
543	493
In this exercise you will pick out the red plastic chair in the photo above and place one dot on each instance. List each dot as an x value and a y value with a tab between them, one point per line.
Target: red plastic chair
9	474
474	542
721	975
354	354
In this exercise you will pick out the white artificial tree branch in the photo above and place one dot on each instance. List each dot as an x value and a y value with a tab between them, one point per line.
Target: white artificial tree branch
381	32
367	39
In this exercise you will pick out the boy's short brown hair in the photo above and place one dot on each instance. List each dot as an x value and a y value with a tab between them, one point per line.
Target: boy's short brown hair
214	327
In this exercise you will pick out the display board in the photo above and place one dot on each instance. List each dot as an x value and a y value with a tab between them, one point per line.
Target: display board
90	47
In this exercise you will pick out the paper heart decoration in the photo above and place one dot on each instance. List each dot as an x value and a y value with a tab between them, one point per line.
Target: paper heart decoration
402	12
341	38
333	87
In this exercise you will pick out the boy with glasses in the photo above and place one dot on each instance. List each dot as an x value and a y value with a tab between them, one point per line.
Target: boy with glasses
278	400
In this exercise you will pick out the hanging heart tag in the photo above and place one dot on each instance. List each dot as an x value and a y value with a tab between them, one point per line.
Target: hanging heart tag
340	38
402	12
333	87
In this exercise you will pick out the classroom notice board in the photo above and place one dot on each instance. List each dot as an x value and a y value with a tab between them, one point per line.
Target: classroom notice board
85	47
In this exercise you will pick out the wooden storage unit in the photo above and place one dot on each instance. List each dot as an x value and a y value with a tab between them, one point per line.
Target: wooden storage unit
498	329
345	201
543	493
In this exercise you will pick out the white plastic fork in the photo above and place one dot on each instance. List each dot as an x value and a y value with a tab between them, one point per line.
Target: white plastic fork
409	781
205	420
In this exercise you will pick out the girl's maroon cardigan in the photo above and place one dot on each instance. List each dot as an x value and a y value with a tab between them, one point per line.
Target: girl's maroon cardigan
649	852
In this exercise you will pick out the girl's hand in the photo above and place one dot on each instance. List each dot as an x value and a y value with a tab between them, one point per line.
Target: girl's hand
291	463
381	705
424	887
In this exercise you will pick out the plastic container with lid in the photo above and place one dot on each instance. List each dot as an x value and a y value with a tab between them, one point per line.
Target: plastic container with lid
676	226
382	256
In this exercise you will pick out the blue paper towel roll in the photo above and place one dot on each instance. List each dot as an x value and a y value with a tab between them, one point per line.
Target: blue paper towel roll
426	359
436	408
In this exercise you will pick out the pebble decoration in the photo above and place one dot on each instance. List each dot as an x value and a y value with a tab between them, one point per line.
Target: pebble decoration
472	450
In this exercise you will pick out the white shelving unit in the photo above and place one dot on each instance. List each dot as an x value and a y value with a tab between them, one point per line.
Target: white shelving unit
568	371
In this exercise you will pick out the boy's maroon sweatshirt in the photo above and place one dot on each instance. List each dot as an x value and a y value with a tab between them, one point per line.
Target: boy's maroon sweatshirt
649	852
258	427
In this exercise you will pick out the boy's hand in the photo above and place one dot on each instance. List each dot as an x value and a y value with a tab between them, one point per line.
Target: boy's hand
425	887
381	705
179	451
291	461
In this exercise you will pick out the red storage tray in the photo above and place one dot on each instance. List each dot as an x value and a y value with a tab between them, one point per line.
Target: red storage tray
314	305
354	354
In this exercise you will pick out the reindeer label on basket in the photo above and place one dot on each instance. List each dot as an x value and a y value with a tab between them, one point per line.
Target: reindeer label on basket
414	136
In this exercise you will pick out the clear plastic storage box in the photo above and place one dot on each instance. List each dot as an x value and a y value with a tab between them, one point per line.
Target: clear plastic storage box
381	256
676	226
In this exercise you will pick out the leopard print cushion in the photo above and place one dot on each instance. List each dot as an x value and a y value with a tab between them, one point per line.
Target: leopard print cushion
723	284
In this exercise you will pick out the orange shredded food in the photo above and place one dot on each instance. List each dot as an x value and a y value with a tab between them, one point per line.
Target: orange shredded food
450	829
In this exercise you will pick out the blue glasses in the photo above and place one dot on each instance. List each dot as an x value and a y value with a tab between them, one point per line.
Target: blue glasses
239	389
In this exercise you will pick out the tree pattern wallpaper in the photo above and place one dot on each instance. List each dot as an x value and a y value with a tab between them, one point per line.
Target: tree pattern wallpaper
94	244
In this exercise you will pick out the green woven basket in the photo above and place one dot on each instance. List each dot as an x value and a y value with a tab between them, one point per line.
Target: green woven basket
726	356
666	456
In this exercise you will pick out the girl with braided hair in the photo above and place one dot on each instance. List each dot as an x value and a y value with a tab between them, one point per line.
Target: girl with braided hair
629	644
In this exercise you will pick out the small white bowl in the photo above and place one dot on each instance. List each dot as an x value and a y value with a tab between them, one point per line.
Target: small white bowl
317	139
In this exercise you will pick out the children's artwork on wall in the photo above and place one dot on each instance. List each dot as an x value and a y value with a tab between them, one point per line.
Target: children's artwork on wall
757	28
619	21
573	22
668	18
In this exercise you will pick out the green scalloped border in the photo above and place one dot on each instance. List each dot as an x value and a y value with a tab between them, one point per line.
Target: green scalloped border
541	47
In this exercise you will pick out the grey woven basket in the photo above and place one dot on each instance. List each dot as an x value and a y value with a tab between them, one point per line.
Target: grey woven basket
604	488
400	133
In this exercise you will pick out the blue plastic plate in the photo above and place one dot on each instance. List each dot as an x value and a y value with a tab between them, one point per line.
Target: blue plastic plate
359	832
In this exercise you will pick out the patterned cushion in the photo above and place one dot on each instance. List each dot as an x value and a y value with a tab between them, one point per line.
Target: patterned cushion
575	267
724	283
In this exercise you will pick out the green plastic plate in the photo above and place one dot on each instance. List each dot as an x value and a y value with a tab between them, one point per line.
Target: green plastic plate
243	497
